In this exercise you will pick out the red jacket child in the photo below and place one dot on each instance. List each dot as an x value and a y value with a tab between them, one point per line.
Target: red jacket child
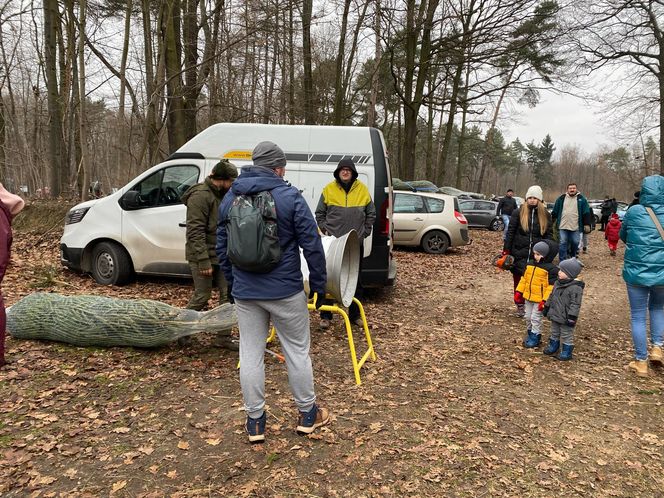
612	233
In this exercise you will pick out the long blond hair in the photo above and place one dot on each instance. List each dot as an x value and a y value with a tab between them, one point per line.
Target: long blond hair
542	216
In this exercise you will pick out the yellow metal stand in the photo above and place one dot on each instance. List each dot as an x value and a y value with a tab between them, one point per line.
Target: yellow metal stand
369	354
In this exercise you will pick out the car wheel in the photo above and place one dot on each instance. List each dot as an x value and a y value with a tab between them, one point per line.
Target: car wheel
496	225
435	242
596	219
111	265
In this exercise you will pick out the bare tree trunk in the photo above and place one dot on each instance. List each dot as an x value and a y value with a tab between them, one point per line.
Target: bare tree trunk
339	90
291	65
462	131
456	82
123	63
51	22
176	122
308	80
486	157
373	96
151	129
82	112
414	86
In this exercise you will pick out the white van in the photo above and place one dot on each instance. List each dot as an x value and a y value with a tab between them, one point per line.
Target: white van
141	227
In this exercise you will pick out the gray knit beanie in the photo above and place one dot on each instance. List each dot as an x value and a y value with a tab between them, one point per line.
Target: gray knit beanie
571	267
269	155
542	248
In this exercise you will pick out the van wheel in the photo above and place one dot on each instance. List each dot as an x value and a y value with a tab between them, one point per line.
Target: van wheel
435	242
111	265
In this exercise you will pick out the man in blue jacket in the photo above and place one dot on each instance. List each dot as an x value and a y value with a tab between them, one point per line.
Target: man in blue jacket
572	216
277	295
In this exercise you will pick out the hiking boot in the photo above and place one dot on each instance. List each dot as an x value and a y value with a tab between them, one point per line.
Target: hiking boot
255	428
613	253
324	324
357	321
552	348
532	340
656	355
225	342
309	421
640	367
566	352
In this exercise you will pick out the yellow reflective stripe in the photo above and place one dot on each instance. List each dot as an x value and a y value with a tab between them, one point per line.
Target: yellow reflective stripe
237	154
334	195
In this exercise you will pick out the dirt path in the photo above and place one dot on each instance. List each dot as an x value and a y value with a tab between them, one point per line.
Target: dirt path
453	406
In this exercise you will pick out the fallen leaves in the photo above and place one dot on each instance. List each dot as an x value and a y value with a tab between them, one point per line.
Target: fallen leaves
453	402
117	486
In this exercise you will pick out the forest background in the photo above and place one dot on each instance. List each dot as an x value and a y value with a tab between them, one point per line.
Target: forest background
98	91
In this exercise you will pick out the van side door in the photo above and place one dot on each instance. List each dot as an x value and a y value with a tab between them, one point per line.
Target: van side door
154	221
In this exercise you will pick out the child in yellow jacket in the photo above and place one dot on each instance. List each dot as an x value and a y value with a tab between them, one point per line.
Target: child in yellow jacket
534	289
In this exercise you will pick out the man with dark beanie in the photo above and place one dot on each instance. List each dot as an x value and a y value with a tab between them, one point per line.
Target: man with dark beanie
202	201
276	296
346	205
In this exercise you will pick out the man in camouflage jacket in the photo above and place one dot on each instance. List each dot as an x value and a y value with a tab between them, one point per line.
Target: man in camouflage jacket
202	201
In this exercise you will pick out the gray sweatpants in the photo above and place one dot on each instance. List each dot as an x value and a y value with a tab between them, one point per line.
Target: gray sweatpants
533	317
562	333
290	316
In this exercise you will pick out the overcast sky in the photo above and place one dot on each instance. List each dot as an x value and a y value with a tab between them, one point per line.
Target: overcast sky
567	119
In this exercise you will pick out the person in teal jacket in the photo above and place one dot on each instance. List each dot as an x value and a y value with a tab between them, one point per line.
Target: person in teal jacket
643	271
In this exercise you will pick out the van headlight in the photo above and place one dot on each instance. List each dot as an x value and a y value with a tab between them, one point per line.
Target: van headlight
75	215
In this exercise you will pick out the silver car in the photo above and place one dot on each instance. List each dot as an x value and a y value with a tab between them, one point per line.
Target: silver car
481	214
430	220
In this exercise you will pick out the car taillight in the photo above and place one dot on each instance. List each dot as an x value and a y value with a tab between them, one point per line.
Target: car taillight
384	220
460	218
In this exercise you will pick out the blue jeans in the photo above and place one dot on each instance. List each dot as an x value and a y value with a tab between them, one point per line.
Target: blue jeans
642	300
506	222
569	239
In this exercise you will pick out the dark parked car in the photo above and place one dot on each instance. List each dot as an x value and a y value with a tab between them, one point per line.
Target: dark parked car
481	214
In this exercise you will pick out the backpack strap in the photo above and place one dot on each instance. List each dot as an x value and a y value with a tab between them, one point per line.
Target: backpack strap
656	221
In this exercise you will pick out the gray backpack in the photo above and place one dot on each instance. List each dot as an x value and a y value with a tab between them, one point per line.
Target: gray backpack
251	228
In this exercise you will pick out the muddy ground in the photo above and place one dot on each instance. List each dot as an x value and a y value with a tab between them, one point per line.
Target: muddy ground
454	406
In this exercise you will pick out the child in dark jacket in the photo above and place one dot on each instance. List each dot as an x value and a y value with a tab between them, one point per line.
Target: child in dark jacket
534	288
563	307
612	233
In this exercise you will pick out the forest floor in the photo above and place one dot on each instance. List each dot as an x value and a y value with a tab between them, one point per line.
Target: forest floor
453	406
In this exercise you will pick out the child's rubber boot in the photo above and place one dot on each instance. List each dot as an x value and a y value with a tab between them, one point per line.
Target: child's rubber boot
656	355
532	340
640	367
566	352
552	348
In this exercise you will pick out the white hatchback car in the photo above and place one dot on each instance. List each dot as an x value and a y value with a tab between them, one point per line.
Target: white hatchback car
430	220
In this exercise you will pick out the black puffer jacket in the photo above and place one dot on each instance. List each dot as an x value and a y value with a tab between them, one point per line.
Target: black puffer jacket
519	243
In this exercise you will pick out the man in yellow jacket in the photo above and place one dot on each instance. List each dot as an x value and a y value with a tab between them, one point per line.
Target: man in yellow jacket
346	205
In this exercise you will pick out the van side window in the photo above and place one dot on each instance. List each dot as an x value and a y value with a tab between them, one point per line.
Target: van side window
166	186
405	203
